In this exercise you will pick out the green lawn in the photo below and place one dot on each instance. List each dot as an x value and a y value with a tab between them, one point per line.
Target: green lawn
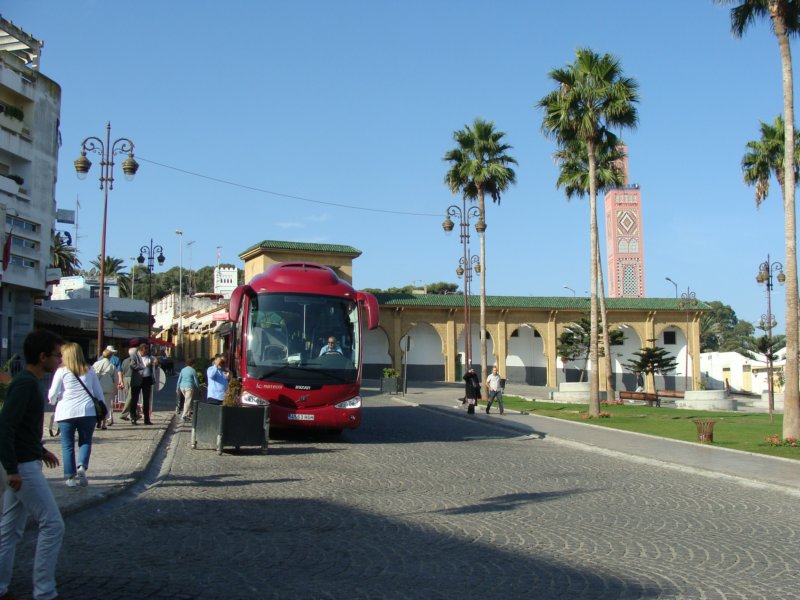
737	431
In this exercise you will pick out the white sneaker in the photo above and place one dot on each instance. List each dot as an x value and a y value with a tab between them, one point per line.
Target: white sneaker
82	480
72	482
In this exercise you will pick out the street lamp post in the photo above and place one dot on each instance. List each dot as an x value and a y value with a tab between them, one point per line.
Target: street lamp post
133	274
466	262
566	287
765	271
688	301
150	253
107	152
180	296
673	283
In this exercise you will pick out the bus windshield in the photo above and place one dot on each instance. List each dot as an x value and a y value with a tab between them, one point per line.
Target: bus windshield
303	339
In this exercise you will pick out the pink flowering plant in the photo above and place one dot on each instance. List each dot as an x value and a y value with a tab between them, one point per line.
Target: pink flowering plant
776	440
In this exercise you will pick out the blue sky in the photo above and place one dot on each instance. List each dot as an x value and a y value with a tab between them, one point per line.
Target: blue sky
355	102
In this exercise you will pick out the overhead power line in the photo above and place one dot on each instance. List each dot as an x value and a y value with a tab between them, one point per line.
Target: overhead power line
281	195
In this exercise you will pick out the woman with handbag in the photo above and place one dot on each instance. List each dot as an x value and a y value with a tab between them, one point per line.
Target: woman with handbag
77	396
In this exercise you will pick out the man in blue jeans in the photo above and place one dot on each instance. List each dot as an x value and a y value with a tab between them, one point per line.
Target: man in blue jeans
22	455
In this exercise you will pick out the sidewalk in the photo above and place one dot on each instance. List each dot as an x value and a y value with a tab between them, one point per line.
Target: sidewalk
755	468
122	453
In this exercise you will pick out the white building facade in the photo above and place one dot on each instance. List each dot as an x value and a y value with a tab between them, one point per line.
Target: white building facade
30	107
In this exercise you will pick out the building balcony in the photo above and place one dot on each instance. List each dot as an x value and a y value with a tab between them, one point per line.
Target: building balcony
16	82
16	144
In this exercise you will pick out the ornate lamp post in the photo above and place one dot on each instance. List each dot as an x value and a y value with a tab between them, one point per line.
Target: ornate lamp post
107	152
150	253
688	301
765	272
466	262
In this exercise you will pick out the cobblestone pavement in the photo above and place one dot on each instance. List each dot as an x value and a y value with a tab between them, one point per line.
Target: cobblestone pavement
417	504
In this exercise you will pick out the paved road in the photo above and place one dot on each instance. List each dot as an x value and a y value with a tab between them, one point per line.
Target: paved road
422	504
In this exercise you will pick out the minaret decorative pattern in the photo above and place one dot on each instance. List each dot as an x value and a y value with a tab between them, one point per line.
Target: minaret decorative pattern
624	239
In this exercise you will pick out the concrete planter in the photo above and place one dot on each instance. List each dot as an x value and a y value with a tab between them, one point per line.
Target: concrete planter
574	392
706	400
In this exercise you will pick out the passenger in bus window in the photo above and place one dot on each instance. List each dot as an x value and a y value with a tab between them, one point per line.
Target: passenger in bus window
332	347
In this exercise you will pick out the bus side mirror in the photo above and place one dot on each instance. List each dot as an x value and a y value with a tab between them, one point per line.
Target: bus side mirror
235	306
370	304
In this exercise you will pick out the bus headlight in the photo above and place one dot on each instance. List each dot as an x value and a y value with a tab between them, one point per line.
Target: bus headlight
251	400
354	402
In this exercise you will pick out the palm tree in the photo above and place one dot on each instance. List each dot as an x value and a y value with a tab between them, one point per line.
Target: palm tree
785	18
764	157
114	267
479	166
591	98
651	360
64	256
573	159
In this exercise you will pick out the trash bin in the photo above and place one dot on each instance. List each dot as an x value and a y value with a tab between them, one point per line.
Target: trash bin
705	430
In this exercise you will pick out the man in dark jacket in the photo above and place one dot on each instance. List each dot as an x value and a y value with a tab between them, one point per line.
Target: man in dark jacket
22	455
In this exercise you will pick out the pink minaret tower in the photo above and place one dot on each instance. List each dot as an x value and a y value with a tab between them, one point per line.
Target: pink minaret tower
624	246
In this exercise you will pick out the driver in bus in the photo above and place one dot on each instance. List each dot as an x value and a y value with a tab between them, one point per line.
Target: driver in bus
332	347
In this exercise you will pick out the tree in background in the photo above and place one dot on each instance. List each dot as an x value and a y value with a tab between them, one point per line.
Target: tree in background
722	331
650	361
764	158
114	267
479	166
591	98
785	18
63	256
439	288
575	342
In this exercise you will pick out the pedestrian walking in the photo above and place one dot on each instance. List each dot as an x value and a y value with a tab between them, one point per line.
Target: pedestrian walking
188	386
74	384
22	455
148	364
107	374
495	387
472	390
132	382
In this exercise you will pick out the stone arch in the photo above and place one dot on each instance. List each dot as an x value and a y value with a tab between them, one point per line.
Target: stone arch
526	361
425	359
632	342
476	347
375	353
679	349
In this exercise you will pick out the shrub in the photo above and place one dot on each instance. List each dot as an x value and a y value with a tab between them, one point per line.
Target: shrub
390	373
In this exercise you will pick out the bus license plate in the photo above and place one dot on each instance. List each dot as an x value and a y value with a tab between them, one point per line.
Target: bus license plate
300	417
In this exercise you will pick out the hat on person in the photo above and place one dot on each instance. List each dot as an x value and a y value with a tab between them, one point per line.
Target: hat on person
111	349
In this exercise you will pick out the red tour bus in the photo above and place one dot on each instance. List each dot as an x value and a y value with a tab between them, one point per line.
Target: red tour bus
281	323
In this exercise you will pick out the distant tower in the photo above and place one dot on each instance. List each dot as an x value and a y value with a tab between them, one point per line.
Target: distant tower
624	242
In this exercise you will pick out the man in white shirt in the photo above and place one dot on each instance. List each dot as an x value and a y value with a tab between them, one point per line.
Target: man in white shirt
495	390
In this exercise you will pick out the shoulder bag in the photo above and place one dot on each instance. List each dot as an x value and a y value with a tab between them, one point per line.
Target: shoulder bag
100	408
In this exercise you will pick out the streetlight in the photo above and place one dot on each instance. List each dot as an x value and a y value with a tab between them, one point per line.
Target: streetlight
673	283
688	301
465	263
150	253
180	296
82	164
566	287
765	271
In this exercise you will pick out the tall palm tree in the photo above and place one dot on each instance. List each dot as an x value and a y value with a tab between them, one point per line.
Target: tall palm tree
591	98
764	158
785	18
115	267
573	160
479	166
64	256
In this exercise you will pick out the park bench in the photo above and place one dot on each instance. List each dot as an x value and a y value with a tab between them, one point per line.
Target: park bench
670	394
641	396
